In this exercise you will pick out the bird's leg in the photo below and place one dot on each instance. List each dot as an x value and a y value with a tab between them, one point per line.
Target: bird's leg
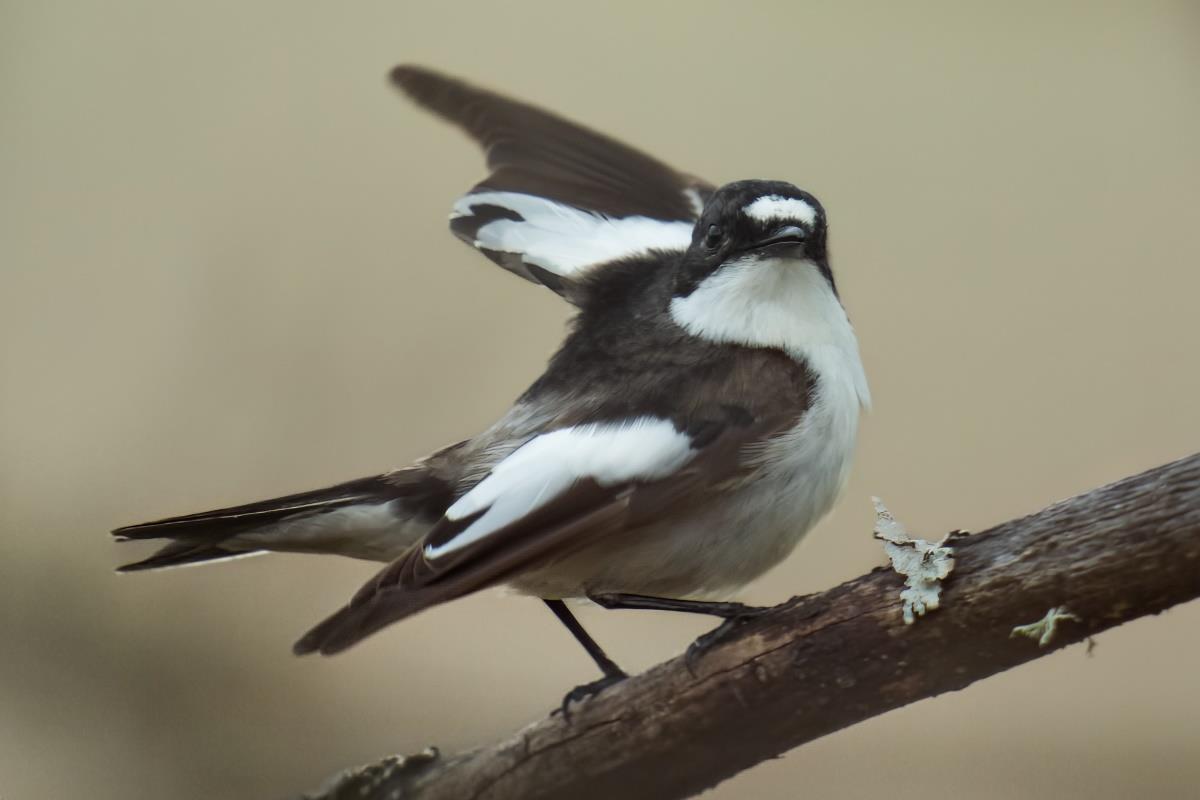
612	673
733	615
648	603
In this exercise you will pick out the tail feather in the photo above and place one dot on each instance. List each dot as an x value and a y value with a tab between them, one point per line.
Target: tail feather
185	554
374	518
235	519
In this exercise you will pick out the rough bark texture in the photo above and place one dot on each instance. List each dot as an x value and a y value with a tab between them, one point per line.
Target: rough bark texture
825	661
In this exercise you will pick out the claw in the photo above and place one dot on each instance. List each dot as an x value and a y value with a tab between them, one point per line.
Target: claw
581	693
706	641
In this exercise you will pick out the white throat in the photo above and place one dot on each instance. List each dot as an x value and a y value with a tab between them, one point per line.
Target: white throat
784	303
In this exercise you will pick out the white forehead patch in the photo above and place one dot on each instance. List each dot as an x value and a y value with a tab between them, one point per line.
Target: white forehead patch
772	207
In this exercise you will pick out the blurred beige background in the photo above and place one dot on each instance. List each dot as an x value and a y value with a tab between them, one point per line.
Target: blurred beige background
224	274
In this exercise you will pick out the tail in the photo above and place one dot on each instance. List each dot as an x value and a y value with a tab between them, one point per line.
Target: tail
374	518
185	554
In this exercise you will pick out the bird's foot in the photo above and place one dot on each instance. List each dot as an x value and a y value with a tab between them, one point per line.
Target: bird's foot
581	693
738	616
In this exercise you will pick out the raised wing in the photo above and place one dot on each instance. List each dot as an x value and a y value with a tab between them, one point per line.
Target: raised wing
559	492
561	199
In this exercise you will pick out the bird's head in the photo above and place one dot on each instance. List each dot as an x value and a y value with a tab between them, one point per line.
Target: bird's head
753	225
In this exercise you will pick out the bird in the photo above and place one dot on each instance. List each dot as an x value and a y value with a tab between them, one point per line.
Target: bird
699	418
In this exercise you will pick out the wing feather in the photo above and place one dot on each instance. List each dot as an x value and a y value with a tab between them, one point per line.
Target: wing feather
561	199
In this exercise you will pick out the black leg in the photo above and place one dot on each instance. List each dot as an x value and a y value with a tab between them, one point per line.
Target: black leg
645	602
733	614
612	673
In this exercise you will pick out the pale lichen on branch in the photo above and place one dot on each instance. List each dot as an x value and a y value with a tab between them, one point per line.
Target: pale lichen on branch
1045	628
923	564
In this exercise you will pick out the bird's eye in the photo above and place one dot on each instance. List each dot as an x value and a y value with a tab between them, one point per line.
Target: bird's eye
713	237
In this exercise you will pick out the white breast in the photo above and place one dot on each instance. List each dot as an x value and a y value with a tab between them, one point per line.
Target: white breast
804	470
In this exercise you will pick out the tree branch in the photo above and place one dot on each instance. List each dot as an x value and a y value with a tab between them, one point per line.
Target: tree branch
820	663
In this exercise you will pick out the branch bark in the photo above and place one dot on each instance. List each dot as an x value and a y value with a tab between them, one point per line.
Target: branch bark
822	662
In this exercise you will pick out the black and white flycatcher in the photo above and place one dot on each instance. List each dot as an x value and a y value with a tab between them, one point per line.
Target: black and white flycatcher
698	420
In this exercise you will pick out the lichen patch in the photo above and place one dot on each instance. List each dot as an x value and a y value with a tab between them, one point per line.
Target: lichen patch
923	564
1045	628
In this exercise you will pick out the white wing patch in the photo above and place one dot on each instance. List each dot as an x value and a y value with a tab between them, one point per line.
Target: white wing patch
646	448
566	240
775	207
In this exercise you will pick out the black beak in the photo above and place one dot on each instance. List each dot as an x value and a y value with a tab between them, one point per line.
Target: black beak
787	235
